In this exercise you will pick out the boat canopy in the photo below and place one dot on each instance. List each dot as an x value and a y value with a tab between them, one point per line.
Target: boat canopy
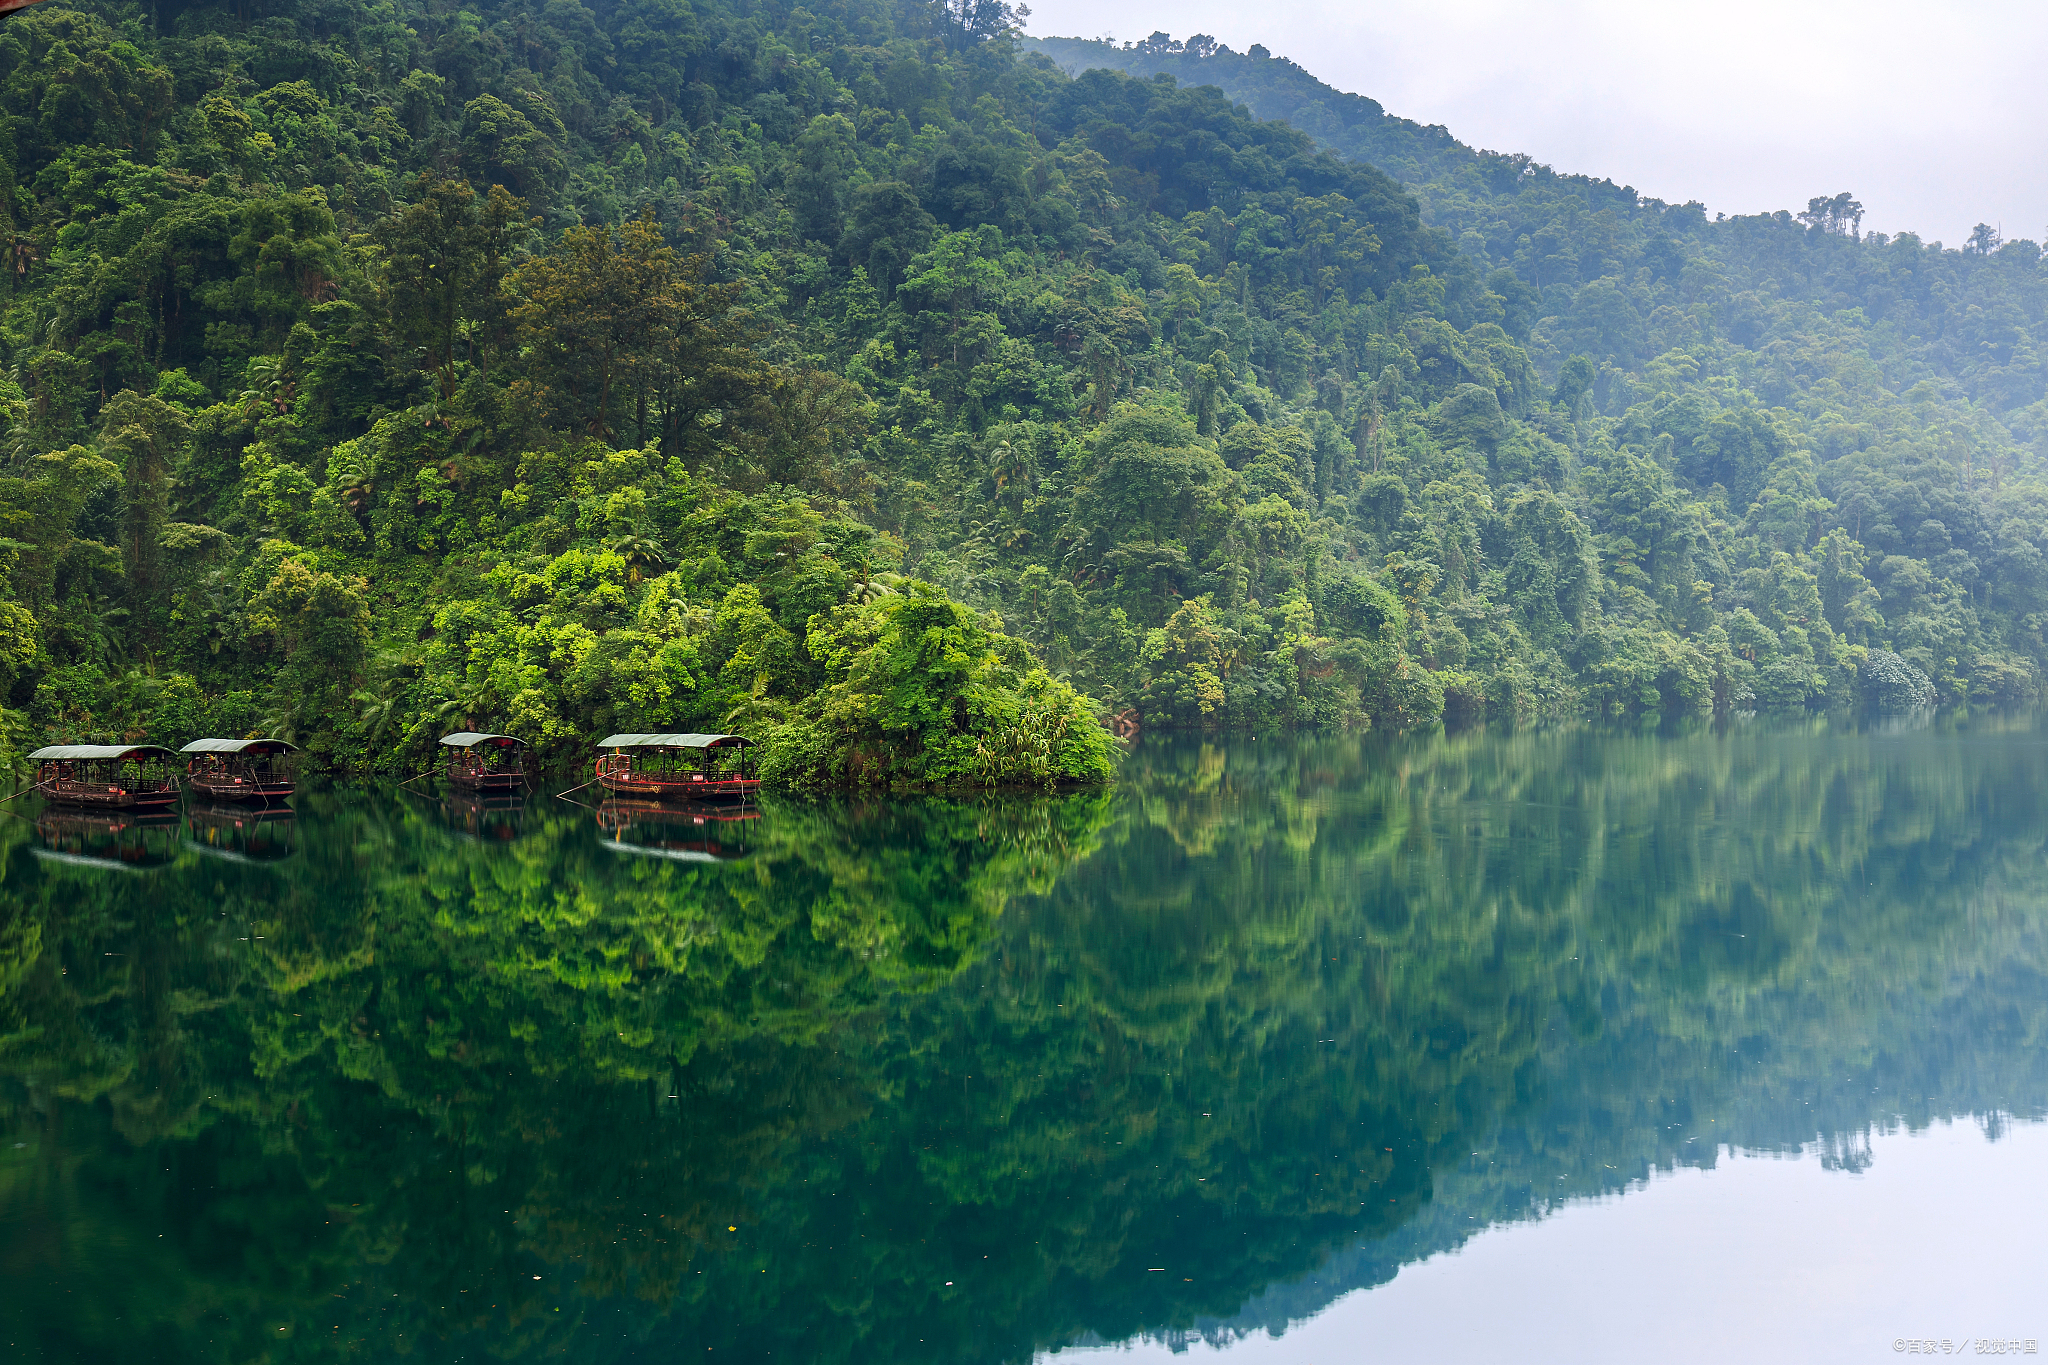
134	751
238	746
469	739
673	741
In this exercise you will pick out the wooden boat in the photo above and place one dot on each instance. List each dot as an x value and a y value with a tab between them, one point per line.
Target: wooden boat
239	769
485	763
677	767
107	776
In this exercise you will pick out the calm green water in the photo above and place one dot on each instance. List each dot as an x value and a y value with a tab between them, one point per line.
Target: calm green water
976	1080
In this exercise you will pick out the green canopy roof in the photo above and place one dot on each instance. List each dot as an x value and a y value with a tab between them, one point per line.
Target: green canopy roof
466	739
236	746
671	741
135	751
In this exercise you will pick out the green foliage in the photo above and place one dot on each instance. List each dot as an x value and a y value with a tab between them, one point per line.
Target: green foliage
919	692
1894	684
1720	394
538	362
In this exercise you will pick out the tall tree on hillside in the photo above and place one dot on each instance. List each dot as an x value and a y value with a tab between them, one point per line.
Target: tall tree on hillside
445	261
147	435
618	325
1840	216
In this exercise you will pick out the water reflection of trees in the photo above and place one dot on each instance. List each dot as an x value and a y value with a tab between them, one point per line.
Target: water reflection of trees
1251	1011
409	1061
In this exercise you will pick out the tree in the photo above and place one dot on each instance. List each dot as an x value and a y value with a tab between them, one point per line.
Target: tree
820	180
920	691
979	21
69	80
1550	576
1184	661
445	260
809	427
1574	381
884	230
501	144
321	624
39	512
598	310
613	319
149	436
1736	450
1154	478
1840	216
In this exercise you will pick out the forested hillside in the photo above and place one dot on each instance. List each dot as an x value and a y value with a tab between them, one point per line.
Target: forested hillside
1869	407
855	377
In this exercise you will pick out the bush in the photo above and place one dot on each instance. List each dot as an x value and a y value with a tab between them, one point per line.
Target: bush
2003	681
1892	685
923	693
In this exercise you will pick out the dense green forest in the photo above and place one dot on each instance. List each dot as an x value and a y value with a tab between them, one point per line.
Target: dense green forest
1249	1014
856	376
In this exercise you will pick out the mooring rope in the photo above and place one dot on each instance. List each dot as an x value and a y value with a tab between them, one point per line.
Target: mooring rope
564	796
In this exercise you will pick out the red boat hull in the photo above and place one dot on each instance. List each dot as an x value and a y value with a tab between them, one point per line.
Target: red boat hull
237	789
645	788
486	782
106	796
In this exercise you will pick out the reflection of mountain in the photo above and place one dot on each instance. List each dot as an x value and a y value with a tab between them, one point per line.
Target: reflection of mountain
1246	1019
1755	942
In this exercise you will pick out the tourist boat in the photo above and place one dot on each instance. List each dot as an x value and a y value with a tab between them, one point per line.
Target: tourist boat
239	769
128	841
107	776
485	763
677	767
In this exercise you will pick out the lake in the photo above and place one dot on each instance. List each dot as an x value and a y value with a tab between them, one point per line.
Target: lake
1559	1045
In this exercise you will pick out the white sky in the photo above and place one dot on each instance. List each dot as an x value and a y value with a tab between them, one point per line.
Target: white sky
1935	115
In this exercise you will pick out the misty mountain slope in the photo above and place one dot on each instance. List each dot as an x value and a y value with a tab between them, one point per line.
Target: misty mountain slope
1278	88
1492	201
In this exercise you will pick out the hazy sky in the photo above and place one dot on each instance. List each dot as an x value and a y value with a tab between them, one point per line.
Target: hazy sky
1935	115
